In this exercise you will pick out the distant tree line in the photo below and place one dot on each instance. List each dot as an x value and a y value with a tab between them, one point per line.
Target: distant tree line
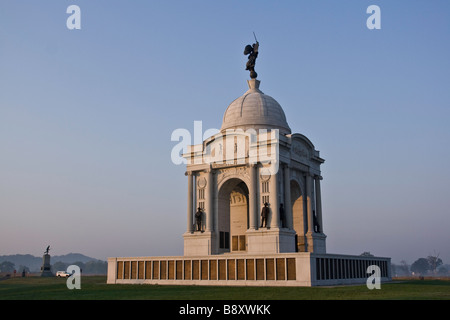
90	267
7	266
429	266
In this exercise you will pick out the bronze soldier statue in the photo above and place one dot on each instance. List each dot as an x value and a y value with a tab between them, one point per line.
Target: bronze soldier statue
264	215
198	219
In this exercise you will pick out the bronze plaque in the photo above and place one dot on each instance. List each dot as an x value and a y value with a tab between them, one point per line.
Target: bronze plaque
141	269
270	269
119	269
163	267
126	269
240	269
291	272
155	269
213	270
196	270
205	269
242	243
222	270
179	269
234	243
231	269
187	270
250	269
148	270
260	269
133	269
281	271
171	270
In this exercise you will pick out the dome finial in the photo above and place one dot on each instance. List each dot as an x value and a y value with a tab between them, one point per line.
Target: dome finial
253	84
252	51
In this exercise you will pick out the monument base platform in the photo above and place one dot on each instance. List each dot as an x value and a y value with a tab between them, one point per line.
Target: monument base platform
283	269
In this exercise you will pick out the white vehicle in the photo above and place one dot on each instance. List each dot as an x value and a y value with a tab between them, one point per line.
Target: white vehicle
62	274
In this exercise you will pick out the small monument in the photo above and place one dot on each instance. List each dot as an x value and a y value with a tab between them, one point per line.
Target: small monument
46	267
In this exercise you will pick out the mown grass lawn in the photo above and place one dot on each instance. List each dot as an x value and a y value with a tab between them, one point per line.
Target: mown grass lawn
95	288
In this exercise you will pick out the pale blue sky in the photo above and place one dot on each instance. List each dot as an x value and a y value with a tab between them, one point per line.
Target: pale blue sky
86	117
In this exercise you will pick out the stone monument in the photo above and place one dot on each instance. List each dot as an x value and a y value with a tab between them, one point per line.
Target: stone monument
254	208
46	267
273	173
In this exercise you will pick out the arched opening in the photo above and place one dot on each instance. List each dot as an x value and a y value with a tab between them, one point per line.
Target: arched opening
233	213
298	217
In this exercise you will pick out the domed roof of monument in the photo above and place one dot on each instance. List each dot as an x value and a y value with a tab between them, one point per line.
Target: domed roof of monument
255	110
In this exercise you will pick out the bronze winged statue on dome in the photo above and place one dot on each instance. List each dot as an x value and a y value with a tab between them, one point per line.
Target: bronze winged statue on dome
252	52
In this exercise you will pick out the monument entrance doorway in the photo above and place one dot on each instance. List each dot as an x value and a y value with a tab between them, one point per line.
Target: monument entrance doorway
233	215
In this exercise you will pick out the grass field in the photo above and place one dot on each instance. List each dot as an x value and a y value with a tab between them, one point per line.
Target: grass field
95	288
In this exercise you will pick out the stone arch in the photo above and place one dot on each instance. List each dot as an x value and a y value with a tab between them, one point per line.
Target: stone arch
299	217
232	214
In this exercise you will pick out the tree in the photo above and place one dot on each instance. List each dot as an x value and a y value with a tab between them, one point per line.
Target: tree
434	262
96	267
366	254
443	271
420	266
22	268
59	266
6	266
404	267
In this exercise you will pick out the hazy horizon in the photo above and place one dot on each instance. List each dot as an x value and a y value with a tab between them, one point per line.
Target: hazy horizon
86	117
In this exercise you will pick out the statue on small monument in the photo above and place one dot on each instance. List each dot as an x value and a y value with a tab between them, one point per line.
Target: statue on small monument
46	267
252	52
198	219
264	215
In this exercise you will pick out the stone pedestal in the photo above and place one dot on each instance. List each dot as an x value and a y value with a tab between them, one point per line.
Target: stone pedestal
46	267
316	242
271	240
199	243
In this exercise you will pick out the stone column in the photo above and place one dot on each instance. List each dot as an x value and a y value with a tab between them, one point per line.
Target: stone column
257	196
209	205
190	203
318	202
215	206
287	198
309	211
274	220
253	198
